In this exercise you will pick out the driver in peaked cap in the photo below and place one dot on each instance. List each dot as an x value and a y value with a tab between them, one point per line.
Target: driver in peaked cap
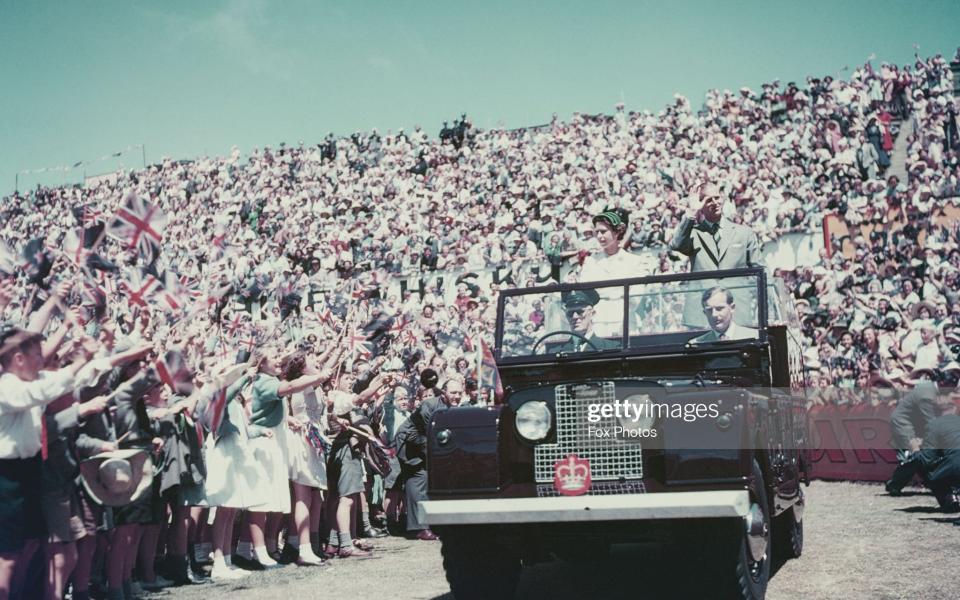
580	308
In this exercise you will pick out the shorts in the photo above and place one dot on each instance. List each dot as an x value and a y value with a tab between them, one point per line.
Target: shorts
347	470
63	515
21	517
95	518
149	510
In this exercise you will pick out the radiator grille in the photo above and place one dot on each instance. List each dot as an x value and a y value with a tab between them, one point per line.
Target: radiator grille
610	458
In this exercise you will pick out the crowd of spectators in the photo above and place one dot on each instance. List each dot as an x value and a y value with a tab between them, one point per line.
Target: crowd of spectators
295	246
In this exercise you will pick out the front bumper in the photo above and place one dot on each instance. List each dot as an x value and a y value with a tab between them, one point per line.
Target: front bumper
630	507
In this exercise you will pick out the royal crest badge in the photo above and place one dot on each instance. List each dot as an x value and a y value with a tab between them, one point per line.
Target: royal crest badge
571	475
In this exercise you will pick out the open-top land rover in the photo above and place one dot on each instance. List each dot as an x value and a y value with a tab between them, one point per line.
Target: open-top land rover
666	408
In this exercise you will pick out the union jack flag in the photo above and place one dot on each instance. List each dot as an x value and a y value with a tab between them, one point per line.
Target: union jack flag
236	322
326	317
173	371
94	295
399	324
317	440
173	295
89	214
140	287
218	403
73	246
191	286
215	410
249	341
360	346
139	224
408	337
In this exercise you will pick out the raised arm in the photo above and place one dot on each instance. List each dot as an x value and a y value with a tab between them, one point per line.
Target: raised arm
682	241
307	381
40	318
376	384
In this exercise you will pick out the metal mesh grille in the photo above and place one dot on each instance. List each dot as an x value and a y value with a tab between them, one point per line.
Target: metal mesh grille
610	458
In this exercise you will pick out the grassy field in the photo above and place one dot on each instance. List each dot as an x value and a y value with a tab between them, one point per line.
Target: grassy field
860	544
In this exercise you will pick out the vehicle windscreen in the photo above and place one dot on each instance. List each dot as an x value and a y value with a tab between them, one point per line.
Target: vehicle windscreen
667	315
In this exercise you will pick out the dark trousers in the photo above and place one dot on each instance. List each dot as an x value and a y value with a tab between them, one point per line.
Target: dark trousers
415	491
921	463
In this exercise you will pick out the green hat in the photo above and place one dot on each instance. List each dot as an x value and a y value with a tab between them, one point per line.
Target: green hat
579	298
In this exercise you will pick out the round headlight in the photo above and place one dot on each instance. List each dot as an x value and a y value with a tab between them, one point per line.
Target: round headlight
533	420
640	415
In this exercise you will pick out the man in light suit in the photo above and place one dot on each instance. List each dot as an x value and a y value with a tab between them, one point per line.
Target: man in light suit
719	308
710	240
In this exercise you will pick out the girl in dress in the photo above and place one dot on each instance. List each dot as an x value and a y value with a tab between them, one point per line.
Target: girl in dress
345	464
233	475
308	472
270	424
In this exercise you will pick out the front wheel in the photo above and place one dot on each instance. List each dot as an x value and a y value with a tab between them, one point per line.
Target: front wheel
788	533
742	552
477	567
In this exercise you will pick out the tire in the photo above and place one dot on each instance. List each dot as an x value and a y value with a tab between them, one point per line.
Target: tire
477	567
788	534
738	575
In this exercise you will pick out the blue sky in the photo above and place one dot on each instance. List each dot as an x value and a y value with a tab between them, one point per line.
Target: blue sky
79	80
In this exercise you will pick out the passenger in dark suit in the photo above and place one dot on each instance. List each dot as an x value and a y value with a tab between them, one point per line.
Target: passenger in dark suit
580	307
719	308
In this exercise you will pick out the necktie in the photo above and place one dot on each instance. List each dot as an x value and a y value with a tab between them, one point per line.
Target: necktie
43	435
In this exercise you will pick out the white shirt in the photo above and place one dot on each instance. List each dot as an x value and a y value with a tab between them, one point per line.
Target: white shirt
928	356
622	265
739	332
21	409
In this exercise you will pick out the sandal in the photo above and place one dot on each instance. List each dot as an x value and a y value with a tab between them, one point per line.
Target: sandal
362	545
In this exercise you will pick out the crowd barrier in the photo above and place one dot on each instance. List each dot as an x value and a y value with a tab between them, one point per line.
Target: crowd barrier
851	443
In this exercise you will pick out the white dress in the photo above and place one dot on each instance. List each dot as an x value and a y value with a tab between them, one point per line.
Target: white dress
307	465
271	453
234	477
600	266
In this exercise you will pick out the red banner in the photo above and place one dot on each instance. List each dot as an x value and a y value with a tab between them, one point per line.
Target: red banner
852	443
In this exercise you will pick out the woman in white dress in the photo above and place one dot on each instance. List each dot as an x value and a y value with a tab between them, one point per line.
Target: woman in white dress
307	466
269	427
233	475
612	261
